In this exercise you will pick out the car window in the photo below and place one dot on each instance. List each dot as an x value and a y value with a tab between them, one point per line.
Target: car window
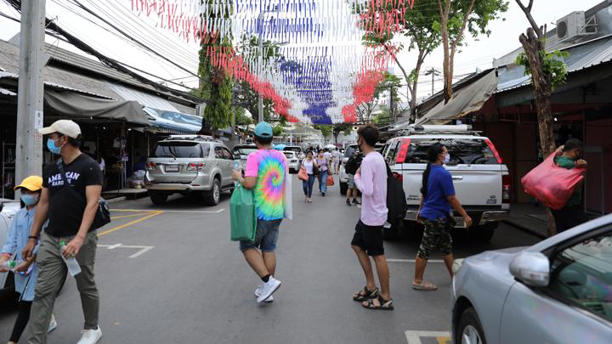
178	150
228	155
582	274
391	152
219	153
462	151
289	155
350	150
243	151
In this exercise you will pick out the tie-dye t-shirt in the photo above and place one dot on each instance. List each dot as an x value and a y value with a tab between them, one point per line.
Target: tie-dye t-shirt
269	166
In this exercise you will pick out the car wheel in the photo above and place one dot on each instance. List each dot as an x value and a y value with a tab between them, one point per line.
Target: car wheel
485	232
213	197
158	198
343	188
470	330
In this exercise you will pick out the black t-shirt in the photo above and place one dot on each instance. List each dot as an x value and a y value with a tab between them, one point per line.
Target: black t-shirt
67	203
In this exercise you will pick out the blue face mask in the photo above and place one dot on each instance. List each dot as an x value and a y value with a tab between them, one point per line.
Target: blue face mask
446	159
29	200
52	147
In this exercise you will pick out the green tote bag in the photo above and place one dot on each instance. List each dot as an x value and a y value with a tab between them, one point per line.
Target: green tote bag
242	213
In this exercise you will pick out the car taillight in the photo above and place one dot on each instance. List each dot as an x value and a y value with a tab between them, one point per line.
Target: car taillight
151	165
194	167
506	189
401	155
398	176
494	150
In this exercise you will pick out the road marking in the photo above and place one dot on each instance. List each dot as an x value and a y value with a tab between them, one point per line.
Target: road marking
142	248
414	337
392	260
126	216
114	229
218	211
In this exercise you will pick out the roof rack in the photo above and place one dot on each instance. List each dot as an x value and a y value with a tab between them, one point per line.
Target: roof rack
461	129
205	138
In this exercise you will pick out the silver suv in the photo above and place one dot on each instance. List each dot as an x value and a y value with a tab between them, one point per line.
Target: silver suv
189	163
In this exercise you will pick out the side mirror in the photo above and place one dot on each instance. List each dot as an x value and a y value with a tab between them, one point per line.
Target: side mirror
531	268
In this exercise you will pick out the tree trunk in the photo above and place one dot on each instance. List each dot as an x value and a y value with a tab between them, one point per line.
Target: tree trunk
415	83
448	78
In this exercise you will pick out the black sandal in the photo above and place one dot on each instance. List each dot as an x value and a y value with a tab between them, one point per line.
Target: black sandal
365	294
384	305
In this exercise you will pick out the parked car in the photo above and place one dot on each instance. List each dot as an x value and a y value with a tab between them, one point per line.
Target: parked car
8	209
342	176
241	153
299	152
189	163
292	159
481	179
557	291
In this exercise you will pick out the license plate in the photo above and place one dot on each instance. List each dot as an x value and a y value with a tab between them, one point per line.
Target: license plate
172	168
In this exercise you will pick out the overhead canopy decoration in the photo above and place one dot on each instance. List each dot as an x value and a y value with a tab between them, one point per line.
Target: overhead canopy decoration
320	71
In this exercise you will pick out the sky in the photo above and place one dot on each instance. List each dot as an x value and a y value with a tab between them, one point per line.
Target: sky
478	54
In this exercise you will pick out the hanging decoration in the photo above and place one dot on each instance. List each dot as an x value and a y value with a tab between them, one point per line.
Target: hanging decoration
320	72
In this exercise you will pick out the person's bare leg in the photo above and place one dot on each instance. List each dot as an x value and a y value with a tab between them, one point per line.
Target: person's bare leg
448	261
366	265
270	262
419	269
256	262
382	268
348	194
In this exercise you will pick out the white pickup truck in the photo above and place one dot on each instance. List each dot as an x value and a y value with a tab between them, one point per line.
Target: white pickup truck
481	180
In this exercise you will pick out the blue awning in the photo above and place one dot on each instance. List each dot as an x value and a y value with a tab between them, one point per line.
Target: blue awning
174	121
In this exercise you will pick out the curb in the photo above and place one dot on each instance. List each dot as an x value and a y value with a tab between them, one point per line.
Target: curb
116	199
524	229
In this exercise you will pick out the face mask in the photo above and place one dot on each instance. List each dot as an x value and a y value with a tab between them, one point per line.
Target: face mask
52	147
29	200
446	159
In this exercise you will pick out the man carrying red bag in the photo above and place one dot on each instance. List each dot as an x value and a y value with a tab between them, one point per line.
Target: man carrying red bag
572	214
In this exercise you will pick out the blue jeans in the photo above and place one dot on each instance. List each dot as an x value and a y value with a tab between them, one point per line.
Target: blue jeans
266	236
308	185
323	181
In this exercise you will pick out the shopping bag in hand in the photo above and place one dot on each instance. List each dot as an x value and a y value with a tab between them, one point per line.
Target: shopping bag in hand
242	214
330	180
551	184
288	197
302	174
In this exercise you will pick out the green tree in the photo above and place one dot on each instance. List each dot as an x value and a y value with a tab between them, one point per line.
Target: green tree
326	129
419	28
242	118
345	128
215	83
455	16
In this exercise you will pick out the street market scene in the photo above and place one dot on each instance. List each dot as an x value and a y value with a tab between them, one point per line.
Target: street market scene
306	171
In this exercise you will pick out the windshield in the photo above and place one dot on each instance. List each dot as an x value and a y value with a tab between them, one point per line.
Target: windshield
350	151
293	149
462	151
180	150
244	151
289	155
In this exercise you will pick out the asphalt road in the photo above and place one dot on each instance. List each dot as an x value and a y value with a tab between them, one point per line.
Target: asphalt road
171	275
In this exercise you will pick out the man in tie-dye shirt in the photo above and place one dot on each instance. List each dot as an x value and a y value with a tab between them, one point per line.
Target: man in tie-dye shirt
265	174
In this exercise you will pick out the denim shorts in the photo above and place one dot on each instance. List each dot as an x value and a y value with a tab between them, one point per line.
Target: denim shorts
265	237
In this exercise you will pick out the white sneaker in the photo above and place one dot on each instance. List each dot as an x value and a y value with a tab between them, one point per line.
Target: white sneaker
258	292
52	324
90	336
268	289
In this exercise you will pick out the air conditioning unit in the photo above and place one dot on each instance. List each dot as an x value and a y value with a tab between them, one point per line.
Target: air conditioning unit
575	25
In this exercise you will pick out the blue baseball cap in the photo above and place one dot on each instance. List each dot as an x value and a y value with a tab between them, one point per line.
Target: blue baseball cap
264	130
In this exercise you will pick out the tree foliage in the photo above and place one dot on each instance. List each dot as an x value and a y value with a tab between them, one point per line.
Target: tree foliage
553	65
326	130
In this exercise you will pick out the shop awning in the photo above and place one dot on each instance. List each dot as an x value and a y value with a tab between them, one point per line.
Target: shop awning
466	100
173	122
77	105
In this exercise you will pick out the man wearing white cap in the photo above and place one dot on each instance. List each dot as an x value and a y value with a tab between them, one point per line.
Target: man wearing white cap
69	199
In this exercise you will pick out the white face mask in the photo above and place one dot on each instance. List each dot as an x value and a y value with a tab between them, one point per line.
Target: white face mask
446	159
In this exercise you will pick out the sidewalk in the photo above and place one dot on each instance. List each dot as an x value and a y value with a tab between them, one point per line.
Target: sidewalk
529	218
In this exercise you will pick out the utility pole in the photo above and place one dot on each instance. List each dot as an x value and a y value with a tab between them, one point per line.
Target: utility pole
31	90
260	114
433	72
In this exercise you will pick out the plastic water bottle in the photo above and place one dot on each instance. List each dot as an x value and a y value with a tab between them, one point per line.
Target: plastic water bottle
9	264
71	263
236	165
12	264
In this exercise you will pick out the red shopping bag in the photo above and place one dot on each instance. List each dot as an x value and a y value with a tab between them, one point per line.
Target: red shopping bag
302	174
551	184
330	180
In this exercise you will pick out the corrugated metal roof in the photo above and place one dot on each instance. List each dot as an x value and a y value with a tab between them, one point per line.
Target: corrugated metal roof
580	57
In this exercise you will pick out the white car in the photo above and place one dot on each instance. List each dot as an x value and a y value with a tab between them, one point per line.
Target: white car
292	159
481	179
8	209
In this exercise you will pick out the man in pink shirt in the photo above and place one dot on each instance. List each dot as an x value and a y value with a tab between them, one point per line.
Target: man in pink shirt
371	180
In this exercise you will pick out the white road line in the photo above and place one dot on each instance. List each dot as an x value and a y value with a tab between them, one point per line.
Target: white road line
112	247
392	260
414	337
141	252
218	211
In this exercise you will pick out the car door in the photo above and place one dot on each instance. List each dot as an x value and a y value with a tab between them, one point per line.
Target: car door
221	163
576	306
229	162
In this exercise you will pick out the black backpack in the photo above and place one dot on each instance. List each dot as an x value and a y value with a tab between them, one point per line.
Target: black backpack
396	199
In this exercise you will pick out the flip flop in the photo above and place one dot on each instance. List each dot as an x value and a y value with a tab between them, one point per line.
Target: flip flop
365	294
383	305
425	286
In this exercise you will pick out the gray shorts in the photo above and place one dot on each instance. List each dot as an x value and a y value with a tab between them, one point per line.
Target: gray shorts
351	181
265	237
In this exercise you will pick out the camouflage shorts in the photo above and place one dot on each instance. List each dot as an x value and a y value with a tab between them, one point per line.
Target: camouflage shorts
435	235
